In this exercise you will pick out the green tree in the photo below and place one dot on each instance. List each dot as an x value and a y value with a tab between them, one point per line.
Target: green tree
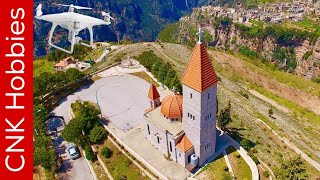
106	152
89	153
224	117
97	134
40	114
39	86
170	75
45	157
73	75
207	37
246	144
148	58
42	141
72	131
292	169
44	154
175	82
155	68
60	78
163	70
87	117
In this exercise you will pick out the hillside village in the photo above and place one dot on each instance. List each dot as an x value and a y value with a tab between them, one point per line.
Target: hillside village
269	12
289	45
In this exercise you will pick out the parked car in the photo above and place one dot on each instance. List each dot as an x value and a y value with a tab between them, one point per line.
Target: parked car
73	151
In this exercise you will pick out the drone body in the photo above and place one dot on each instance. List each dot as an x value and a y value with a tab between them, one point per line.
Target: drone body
74	23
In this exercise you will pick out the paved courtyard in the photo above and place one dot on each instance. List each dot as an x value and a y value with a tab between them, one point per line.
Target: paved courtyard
122	99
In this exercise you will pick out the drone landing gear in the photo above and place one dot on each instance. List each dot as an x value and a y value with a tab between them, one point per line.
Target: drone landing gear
73	39
91	38
60	48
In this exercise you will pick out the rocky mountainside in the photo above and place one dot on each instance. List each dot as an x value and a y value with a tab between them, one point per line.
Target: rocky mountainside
135	20
291	50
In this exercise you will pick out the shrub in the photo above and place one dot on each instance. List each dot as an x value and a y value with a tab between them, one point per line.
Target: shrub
266	174
270	112
237	155
255	159
248	52
106	152
316	80
307	55
89	153
246	144
97	134
224	117
225	168
244	94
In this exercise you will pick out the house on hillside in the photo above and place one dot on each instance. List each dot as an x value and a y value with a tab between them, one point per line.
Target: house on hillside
64	63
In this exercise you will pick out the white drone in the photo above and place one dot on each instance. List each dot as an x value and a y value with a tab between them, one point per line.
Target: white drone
74	22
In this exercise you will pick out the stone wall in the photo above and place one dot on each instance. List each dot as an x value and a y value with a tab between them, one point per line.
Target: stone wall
202	129
157	137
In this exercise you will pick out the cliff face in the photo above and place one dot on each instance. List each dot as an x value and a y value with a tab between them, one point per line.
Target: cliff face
300	56
310	67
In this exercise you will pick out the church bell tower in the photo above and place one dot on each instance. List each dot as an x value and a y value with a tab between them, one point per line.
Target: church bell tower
200	102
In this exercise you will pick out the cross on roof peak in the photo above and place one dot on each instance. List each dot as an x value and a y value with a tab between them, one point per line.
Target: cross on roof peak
200	34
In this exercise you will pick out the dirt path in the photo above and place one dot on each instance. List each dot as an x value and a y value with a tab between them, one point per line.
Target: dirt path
292	94
273	103
294	147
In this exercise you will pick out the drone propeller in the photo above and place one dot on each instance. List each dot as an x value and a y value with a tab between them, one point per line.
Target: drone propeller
105	14
71	6
39	10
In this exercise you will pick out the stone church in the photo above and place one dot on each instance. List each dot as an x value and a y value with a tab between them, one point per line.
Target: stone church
184	127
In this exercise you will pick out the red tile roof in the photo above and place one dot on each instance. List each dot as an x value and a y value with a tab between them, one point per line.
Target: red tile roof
153	92
62	63
199	73
172	106
184	144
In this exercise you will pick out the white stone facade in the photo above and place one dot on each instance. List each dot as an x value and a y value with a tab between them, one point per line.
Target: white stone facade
166	142
199	120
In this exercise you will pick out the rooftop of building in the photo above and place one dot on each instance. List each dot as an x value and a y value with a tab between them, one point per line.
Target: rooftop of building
199	73
157	119
153	92
184	144
172	106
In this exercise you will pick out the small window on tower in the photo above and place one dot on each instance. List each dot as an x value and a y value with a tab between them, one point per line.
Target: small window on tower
190	95
188	115
209	96
193	117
